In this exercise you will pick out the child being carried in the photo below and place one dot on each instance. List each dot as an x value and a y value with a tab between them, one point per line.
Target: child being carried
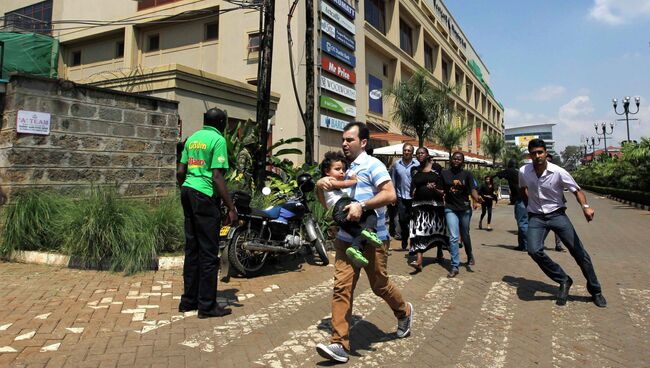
363	231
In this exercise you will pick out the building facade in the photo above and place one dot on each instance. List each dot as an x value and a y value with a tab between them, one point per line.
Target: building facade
203	55
520	136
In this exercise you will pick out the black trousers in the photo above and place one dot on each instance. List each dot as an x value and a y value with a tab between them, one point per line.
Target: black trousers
486	207
367	221
404	210
202	222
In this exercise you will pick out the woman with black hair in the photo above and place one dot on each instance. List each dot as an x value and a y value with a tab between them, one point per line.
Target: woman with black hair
487	191
427	228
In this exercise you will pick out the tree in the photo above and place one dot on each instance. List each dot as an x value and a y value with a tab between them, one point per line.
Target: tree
512	151
450	135
419	106
570	157
493	144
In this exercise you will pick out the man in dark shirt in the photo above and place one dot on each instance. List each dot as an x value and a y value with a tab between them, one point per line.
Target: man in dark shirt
511	174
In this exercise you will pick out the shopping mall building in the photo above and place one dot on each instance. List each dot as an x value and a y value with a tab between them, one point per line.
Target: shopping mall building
198	53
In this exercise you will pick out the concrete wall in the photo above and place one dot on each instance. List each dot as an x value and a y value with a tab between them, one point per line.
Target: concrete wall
98	136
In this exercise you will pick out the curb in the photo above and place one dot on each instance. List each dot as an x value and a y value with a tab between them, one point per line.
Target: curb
60	260
625	201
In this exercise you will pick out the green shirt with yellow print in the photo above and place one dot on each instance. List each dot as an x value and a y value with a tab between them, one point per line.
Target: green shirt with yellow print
204	151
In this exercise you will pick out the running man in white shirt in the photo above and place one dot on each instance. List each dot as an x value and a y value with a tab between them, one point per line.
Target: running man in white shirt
542	184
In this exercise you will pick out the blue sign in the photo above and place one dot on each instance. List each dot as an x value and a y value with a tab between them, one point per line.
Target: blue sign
375	100
335	51
344	7
329	29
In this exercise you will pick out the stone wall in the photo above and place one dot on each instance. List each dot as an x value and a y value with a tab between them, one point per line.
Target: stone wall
97	137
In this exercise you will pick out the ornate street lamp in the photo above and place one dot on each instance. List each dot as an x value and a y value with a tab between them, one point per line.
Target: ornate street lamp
592	145
626	111
604	133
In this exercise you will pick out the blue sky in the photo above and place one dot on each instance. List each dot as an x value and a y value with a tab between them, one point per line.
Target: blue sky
563	61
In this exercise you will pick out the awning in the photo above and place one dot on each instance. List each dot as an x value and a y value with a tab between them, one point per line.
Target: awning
391	137
396	150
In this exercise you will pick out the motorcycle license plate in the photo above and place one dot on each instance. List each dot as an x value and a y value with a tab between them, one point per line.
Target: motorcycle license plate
224	231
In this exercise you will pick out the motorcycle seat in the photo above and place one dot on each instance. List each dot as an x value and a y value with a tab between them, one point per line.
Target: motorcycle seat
263	214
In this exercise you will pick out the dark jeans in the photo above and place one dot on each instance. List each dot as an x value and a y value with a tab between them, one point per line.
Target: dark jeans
404	210
486	207
202	222
522	224
559	222
368	221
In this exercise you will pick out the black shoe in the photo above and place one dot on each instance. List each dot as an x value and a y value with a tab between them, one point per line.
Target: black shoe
599	300
215	312
559	248
453	273
563	292
184	308
470	261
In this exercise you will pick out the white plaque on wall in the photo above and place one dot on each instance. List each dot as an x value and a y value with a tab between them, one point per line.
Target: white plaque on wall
33	122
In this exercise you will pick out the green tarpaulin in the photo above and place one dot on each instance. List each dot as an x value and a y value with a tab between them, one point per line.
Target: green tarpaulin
477	72
29	53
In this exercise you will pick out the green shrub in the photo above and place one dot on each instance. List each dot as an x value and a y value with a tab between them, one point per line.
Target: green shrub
34	221
167	222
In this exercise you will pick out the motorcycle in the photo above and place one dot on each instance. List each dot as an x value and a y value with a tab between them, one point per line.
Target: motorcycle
285	228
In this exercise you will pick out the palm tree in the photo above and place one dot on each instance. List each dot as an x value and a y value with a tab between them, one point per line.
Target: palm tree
419	106
512	151
450	135
412	100
493	144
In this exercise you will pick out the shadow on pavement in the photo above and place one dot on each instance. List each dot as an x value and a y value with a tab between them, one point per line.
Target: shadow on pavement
526	290
230	296
504	246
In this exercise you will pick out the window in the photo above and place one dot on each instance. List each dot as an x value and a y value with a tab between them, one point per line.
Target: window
119	49
405	37
445	72
146	4
76	58
428	57
153	42
211	31
376	14
254	42
468	91
384	69
34	18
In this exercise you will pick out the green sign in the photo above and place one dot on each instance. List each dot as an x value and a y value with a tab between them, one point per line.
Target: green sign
337	106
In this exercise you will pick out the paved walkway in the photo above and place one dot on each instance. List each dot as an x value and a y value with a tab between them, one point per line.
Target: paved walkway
501	315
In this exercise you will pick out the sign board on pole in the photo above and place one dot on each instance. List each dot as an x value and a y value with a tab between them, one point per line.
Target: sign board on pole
338	106
337	17
522	140
338	70
344	7
33	122
332	123
329	29
338	88
338	53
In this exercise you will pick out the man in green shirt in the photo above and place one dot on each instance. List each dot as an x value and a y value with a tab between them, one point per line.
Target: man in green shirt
200	177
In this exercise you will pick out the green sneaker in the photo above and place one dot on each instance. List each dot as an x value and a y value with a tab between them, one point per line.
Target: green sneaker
372	237
356	257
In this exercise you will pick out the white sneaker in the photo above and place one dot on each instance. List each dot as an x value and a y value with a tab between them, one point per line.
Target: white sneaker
333	352
404	324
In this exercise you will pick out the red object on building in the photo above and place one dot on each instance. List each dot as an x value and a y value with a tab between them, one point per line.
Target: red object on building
338	70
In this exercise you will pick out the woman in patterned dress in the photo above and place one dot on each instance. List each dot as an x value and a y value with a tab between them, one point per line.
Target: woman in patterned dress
428	228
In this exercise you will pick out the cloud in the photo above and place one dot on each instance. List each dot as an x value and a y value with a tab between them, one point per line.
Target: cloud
546	93
514	117
578	107
618	12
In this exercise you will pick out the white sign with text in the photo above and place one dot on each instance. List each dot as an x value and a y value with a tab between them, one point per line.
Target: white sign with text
33	122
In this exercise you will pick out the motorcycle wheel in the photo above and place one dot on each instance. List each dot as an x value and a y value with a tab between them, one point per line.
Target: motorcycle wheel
247	263
319	245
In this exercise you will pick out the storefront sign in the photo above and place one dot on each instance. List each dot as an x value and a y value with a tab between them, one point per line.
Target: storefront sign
338	106
338	53
329	29
344	7
337	17
375	100
338	88
33	122
332	123
338	70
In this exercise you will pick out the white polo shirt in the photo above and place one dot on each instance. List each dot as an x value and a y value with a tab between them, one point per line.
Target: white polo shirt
545	193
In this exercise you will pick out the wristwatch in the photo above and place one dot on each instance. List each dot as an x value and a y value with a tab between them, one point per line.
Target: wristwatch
586	206
364	207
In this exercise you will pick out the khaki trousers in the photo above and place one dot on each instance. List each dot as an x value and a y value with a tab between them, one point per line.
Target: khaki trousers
345	280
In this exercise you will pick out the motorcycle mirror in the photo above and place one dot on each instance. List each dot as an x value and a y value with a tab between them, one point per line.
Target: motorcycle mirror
266	191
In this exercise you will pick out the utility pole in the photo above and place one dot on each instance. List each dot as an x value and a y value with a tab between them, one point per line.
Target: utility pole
309	83
264	90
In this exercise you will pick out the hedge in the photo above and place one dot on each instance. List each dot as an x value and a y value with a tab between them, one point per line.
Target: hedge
626	194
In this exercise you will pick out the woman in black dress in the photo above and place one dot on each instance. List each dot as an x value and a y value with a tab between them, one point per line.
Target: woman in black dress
489	195
428	227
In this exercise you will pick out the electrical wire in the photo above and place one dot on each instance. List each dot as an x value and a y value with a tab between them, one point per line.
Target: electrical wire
293	76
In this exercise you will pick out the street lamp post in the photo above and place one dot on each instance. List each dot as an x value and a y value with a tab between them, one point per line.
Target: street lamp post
592	146
626	111
604	133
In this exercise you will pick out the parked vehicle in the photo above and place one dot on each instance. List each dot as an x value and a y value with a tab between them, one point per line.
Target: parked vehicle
504	192
285	229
